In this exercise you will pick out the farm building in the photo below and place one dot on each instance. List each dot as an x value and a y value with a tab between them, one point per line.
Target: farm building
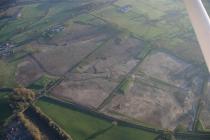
125	8
6	49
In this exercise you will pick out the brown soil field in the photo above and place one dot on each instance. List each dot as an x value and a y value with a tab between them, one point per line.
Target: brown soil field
86	89
68	51
28	71
163	93
10	11
94	79
173	71
155	106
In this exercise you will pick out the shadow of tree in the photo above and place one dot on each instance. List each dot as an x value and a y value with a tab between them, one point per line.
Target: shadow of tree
94	135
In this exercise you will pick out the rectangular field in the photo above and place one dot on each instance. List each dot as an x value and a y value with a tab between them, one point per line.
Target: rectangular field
163	91
7	74
4	108
98	75
163	22
64	51
82	126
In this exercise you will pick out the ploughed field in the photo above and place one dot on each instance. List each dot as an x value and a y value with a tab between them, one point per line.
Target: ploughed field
163	91
97	76
135	60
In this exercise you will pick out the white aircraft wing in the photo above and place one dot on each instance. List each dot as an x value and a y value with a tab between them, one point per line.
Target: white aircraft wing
201	24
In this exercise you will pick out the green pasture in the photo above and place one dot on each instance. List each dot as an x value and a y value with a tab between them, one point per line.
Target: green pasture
5	110
42	82
170	30
7	74
84	126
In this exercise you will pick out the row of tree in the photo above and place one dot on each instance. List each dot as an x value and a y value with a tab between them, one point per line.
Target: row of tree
21	98
47	121
34	131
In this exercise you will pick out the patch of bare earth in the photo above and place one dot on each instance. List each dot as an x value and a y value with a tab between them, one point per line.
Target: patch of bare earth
68	51
163	93
10	12
92	81
28	71
173	71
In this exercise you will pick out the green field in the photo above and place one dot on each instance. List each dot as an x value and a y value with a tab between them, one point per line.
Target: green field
32	11
42	82
148	19
35	19
164	23
4	107
7	74
82	126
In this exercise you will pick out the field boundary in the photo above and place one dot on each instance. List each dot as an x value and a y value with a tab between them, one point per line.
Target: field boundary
35	112
120	122
100	115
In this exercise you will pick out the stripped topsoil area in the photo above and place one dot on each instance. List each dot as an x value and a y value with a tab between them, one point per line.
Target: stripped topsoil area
163	92
96	77
28	71
63	52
